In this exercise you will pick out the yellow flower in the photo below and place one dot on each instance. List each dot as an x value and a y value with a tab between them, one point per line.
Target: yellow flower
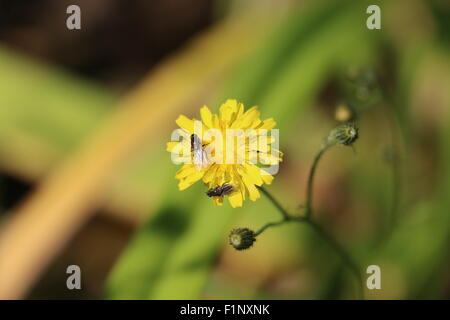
228	168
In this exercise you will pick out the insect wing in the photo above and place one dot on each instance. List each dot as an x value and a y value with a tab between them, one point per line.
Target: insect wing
205	160
227	189
198	154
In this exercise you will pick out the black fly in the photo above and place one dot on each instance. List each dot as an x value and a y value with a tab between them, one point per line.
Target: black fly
224	190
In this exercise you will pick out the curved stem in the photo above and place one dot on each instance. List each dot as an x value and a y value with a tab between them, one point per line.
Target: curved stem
276	203
312	171
344	255
268	225
341	252
396	134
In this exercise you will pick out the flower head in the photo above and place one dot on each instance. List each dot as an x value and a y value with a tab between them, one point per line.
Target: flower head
231	152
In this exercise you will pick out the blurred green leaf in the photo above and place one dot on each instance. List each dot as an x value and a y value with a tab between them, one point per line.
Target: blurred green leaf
44	112
47	104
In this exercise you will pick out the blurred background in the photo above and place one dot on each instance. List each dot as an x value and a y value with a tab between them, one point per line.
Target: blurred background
85	178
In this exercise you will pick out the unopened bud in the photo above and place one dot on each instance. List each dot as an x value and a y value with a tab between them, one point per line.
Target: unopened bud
344	113
345	134
241	238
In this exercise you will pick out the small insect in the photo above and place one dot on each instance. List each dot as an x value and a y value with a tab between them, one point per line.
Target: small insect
220	191
199	155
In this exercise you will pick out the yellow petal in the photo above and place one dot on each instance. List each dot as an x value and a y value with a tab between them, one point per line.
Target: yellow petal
251	174
267	124
227	110
190	180
185	171
236	114
220	176
267	178
206	116
248	118
185	123
171	145
215	121
235	199
269	159
218	201
237	183
180	159
210	173
253	193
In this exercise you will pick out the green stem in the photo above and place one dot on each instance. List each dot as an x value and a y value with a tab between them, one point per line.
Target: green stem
276	203
312	171
344	255
396	135
269	225
341	252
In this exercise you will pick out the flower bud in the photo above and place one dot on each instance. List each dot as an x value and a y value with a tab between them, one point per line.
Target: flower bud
241	238
344	112
345	134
